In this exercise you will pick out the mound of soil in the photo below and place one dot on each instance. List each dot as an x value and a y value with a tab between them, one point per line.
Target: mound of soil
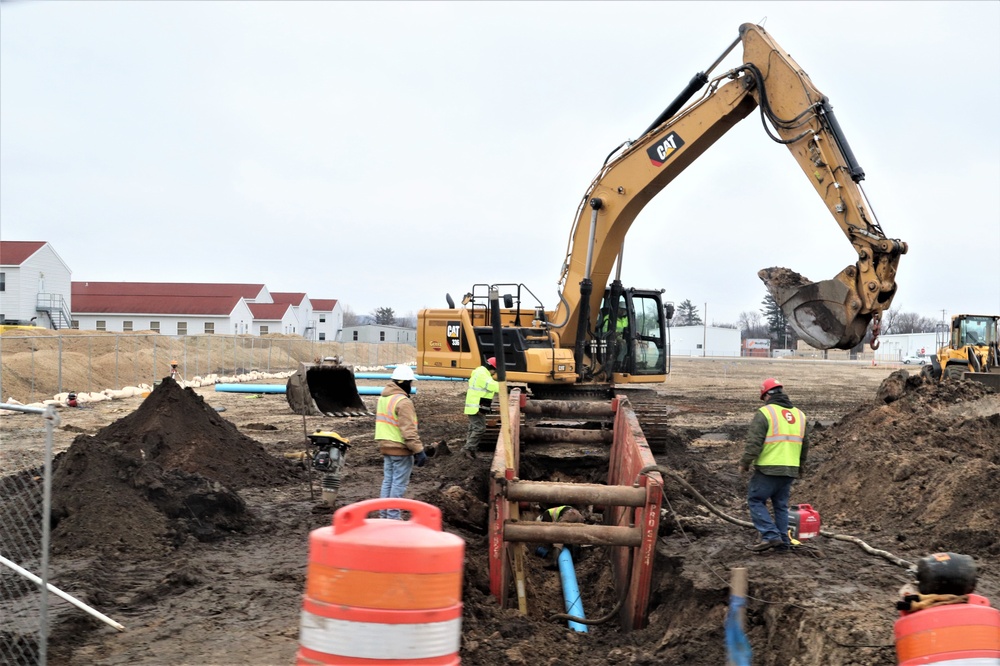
176	429
926	464
167	471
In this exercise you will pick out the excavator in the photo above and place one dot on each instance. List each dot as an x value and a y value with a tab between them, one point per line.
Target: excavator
583	342
571	420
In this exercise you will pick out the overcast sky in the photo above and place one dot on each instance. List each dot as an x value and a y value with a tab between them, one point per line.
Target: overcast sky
385	154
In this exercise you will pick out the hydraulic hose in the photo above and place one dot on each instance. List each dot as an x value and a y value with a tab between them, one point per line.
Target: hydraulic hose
898	561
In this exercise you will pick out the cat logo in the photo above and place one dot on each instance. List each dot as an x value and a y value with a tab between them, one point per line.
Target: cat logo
454	335
661	152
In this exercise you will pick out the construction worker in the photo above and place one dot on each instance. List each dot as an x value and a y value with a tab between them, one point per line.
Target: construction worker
397	437
558	514
620	318
478	399
776	446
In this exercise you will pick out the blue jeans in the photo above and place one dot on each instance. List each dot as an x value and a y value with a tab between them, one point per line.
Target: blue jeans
777	489
395	478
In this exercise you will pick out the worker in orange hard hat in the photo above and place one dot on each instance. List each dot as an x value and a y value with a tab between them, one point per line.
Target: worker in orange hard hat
776	446
478	400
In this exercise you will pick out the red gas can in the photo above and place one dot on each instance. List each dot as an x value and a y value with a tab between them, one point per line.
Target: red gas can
803	521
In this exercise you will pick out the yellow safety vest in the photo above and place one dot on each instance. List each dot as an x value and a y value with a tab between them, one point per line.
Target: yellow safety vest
386	419
481	385
554	513
783	444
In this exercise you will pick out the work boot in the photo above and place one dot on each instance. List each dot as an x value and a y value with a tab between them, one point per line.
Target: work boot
469	453
764	544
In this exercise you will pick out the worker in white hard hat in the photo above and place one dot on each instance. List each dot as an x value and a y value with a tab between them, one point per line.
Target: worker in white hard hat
478	400
397	437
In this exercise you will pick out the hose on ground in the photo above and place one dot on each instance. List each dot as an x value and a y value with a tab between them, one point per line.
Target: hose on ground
898	561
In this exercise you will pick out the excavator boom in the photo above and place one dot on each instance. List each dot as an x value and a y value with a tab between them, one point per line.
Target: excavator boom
832	313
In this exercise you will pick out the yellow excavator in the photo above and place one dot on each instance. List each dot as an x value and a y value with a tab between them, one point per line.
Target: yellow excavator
970	345
604	334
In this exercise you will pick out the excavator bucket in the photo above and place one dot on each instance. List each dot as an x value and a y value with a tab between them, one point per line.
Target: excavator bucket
324	389
823	314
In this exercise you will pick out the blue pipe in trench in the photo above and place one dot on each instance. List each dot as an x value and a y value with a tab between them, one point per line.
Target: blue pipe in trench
571	590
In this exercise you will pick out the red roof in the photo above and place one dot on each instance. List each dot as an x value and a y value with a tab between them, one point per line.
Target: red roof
14	253
323	304
168	298
249	291
219	306
292	297
275	311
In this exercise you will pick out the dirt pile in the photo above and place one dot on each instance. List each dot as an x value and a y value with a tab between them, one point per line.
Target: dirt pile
167	471
923	466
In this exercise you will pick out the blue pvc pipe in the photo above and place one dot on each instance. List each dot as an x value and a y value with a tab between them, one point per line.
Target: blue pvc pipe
280	388
385	375
571	590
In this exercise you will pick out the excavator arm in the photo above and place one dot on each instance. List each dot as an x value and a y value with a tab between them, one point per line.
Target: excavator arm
832	313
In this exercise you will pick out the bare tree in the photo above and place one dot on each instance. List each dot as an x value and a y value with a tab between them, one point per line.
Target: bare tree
751	325
351	318
911	322
409	320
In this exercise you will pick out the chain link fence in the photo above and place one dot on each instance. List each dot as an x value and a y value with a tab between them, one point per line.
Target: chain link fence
34	368
24	599
37	367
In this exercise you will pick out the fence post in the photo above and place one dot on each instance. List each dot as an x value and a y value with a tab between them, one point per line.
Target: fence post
59	365
51	418
152	380
117	383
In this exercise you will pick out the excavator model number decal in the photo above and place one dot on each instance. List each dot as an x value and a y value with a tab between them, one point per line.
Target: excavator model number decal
662	150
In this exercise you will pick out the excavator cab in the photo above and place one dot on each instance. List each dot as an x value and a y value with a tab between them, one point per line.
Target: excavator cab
630	339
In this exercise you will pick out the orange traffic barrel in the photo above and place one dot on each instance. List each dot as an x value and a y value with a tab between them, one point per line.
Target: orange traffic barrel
382	591
966	634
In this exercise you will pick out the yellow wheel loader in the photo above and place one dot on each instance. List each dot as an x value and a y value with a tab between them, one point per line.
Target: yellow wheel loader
969	349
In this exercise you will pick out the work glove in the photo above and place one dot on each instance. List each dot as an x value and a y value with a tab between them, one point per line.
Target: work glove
419	459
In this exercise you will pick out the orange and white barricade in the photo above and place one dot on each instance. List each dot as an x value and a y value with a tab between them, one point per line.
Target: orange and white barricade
382	591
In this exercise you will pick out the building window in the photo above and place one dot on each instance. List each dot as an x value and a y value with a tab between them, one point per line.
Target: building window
154	326
355	336
209	327
102	325
182	328
3	282
322	336
264	330
126	326
381	336
75	323
322	319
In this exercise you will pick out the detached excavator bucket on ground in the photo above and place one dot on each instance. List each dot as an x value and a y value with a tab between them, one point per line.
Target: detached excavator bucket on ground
823	314
324	389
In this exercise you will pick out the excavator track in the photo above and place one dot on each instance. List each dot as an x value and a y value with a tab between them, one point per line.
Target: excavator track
654	416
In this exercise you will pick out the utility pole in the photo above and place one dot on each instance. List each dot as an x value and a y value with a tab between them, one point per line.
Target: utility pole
704	335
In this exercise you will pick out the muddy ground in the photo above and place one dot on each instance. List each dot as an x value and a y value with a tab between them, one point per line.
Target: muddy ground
189	525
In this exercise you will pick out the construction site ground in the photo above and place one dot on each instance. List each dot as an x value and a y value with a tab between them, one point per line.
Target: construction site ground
190	526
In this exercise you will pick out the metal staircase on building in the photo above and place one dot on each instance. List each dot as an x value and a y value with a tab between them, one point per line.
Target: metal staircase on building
55	306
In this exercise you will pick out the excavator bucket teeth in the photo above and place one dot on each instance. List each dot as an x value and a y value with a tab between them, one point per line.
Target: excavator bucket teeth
823	314
318	389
